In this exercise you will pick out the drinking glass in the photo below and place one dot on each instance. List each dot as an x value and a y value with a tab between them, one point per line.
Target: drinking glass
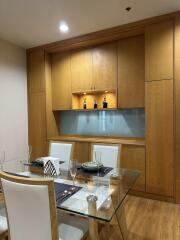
98	157
29	152
2	159
73	169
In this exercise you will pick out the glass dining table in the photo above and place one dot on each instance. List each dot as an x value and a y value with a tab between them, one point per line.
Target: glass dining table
98	198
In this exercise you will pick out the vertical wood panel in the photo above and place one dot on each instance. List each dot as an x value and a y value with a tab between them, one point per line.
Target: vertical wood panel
51	118
177	107
36	71
81	152
81	70
105	66
133	157
159	137
131	75
37	124
159	51
61	81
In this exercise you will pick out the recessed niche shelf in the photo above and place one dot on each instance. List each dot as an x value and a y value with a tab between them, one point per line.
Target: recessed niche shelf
78	100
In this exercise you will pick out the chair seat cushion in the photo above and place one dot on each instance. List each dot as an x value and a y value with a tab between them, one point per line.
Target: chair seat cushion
3	225
71	227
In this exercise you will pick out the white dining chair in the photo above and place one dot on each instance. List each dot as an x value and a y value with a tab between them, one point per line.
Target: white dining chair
110	154
31	211
3	228
62	150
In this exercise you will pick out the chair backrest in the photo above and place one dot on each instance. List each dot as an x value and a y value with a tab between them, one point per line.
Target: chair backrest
110	154
30	207
62	150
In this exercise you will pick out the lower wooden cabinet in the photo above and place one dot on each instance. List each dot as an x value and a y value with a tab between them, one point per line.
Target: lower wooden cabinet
159	138
81	152
133	157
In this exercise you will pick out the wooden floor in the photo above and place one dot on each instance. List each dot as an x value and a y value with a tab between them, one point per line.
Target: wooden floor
151	220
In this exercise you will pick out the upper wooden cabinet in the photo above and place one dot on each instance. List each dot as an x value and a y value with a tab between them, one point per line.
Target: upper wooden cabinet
131	75
159	51
159	137
61	81
105	67
94	69
36	71
81	70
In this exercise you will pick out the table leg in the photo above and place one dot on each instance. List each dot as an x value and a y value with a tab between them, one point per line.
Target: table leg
121	220
93	230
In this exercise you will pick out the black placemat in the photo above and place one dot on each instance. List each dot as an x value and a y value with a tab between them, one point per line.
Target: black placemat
100	173
60	188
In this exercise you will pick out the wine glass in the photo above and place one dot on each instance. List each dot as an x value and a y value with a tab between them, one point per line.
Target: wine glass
73	169
2	159
29	152
98	157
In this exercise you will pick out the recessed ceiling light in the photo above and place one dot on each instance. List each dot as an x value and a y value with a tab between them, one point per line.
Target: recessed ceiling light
63	27
128	9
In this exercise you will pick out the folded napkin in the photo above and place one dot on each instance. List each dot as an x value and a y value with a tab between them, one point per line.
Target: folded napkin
51	166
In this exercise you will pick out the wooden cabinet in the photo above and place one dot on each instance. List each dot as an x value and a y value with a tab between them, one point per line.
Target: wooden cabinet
81	70
42	121
36	71
133	157
37	124
177	106
81	152
94	69
61	81
159	51
159	137
131	75
105	67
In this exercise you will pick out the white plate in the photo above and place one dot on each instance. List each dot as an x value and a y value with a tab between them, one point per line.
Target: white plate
91	165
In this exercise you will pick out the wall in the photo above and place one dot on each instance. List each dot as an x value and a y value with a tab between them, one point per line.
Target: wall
13	105
127	122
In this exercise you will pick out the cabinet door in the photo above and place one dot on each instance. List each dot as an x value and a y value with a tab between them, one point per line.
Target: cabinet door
81	70
177	107
159	137
159	51
61	81
133	157
105	67
36	71
37	124
81	152
131	75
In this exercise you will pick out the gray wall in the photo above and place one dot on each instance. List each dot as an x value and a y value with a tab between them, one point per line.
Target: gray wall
130	123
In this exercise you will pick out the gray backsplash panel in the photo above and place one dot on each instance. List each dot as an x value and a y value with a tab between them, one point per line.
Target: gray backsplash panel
126	122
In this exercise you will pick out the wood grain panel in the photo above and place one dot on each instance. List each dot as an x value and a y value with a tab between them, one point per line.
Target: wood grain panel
133	157
37	124
131	75
61	81
35	61
159	137
159	51
51	117
81	152
177	107
105	66
81	70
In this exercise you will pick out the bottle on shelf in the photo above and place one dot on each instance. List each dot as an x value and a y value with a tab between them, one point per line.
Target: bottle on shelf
84	104
95	104
105	104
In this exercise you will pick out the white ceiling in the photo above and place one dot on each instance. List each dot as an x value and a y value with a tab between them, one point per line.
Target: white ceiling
30	23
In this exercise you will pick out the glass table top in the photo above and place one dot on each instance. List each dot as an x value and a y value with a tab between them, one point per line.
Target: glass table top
99	197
